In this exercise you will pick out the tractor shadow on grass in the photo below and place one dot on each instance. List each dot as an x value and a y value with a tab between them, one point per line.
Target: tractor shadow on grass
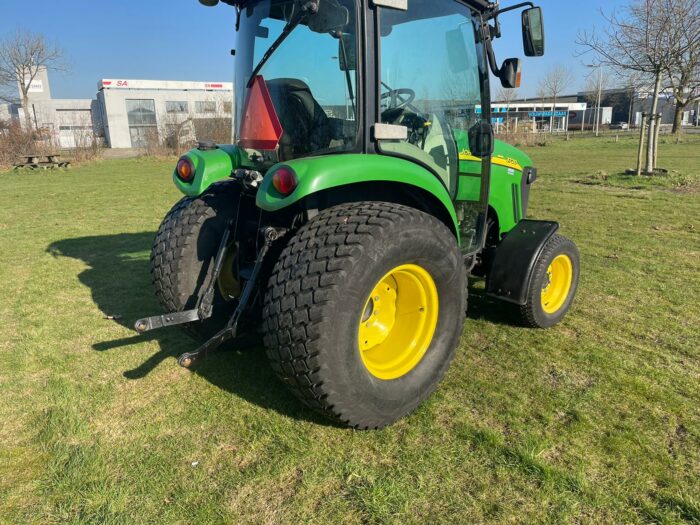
484	307
119	280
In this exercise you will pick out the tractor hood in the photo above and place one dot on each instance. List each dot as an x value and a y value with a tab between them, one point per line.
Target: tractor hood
504	151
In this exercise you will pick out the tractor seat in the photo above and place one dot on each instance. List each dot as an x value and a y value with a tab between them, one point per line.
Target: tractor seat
304	122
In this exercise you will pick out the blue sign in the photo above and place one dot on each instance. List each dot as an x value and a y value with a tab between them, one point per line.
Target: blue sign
546	114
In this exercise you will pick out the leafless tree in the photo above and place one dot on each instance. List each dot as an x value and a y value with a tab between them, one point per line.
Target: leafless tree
22	56
597	82
553	84
632	82
507	96
637	39
683	68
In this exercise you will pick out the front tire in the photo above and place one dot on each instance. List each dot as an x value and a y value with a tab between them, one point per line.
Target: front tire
553	283
364	310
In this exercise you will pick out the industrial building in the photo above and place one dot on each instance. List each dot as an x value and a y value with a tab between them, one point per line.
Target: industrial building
128	113
539	115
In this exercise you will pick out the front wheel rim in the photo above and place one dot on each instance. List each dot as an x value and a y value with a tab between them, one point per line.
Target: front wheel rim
398	322
557	284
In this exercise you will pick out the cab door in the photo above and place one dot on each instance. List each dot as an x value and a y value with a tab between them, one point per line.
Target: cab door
432	75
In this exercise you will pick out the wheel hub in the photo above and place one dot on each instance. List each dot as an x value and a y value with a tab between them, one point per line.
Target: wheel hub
398	322
228	281
557	283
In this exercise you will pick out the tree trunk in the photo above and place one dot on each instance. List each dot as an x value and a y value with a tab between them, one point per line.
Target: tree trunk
629	113
27	113
640	150
649	169
656	140
677	118
551	119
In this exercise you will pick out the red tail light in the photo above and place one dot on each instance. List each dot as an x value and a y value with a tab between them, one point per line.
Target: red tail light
185	169
284	180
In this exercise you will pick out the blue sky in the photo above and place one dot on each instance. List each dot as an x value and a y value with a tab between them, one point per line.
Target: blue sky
182	40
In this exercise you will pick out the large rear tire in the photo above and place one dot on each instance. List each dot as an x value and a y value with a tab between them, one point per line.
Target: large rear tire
183	253
364	310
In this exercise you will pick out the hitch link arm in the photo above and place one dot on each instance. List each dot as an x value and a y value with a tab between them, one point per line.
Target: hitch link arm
204	304
188	359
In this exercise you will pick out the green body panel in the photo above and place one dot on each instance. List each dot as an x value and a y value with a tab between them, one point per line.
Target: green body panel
321	173
331	171
507	165
210	166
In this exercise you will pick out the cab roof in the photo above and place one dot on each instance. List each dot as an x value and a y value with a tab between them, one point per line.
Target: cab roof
480	5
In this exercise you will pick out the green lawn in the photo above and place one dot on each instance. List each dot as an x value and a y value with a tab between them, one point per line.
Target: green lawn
594	421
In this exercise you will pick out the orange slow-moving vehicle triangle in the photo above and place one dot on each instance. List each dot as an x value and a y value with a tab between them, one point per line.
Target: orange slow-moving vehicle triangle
261	127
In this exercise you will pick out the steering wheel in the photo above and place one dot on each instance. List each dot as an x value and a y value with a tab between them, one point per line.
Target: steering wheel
396	94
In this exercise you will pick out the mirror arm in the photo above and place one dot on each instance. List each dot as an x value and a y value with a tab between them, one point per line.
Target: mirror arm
489	50
512	7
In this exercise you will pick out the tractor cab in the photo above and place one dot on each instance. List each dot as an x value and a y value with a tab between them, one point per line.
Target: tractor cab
403	79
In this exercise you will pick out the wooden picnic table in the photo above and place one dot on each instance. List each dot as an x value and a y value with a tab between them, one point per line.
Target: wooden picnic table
34	160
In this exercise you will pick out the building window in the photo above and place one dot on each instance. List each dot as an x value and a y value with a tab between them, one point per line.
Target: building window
205	106
141	114
176	106
227	107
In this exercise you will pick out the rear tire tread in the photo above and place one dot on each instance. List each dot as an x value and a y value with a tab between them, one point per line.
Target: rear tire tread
305	277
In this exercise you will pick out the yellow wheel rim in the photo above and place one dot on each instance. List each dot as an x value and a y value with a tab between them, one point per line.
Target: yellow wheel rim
557	284
229	285
398	322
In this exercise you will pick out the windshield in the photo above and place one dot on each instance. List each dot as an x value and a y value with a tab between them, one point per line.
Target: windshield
302	100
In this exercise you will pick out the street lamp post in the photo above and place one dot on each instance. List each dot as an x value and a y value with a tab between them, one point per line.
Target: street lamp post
600	89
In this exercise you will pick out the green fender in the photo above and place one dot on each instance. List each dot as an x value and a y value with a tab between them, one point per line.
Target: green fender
331	171
210	166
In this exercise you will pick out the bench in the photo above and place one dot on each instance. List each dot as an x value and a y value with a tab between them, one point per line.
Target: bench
36	161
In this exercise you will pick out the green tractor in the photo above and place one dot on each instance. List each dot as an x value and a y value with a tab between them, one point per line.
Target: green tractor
364	186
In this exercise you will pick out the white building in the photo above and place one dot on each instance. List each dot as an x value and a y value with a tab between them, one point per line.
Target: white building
135	111
128	113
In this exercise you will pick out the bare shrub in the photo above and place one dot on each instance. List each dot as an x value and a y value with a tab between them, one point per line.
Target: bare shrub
216	128
15	142
154	146
88	146
179	132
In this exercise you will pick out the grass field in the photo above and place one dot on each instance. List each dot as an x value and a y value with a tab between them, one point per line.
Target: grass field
594	421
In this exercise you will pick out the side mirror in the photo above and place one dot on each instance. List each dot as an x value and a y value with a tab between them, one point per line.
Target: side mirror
510	73
209	3
481	139
533	32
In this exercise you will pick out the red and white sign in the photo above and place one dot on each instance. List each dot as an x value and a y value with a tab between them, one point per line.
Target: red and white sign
123	83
